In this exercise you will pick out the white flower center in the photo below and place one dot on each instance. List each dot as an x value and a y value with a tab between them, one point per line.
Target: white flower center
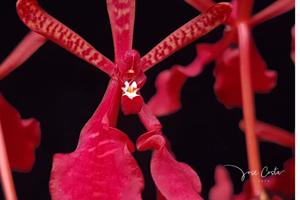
130	90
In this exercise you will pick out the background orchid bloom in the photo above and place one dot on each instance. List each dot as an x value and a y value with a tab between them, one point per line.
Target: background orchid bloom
63	92
278	187
227	72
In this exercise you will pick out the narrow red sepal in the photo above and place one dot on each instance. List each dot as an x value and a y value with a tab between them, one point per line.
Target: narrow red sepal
121	15
39	21
186	34
28	46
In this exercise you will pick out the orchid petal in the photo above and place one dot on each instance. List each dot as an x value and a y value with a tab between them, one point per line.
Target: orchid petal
30	44
201	5
277	8
39	21
102	161
104	166
270	133
227	73
22	137
223	188
186	34
169	83
185	183
121	14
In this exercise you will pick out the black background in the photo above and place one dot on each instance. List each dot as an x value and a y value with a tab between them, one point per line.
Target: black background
62	91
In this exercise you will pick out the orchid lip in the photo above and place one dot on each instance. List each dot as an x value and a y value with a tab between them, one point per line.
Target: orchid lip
130	89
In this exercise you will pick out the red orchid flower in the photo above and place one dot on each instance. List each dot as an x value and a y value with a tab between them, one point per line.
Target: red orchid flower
102	161
278	187
239	72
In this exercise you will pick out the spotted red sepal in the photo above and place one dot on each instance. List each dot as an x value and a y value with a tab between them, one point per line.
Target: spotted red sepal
174	180
121	15
102	166
186	34
228	82
39	21
22	137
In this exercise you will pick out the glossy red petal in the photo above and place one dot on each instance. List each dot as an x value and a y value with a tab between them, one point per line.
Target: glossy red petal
169	83
121	14
22	137
102	166
174	180
186	34
223	188
30	44
277	8
227	73
270	133
39	21
201	5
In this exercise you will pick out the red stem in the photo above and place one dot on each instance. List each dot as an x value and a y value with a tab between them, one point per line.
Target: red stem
249	108
5	171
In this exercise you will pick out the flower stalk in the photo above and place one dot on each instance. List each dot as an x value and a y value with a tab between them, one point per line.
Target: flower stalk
249	108
5	172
